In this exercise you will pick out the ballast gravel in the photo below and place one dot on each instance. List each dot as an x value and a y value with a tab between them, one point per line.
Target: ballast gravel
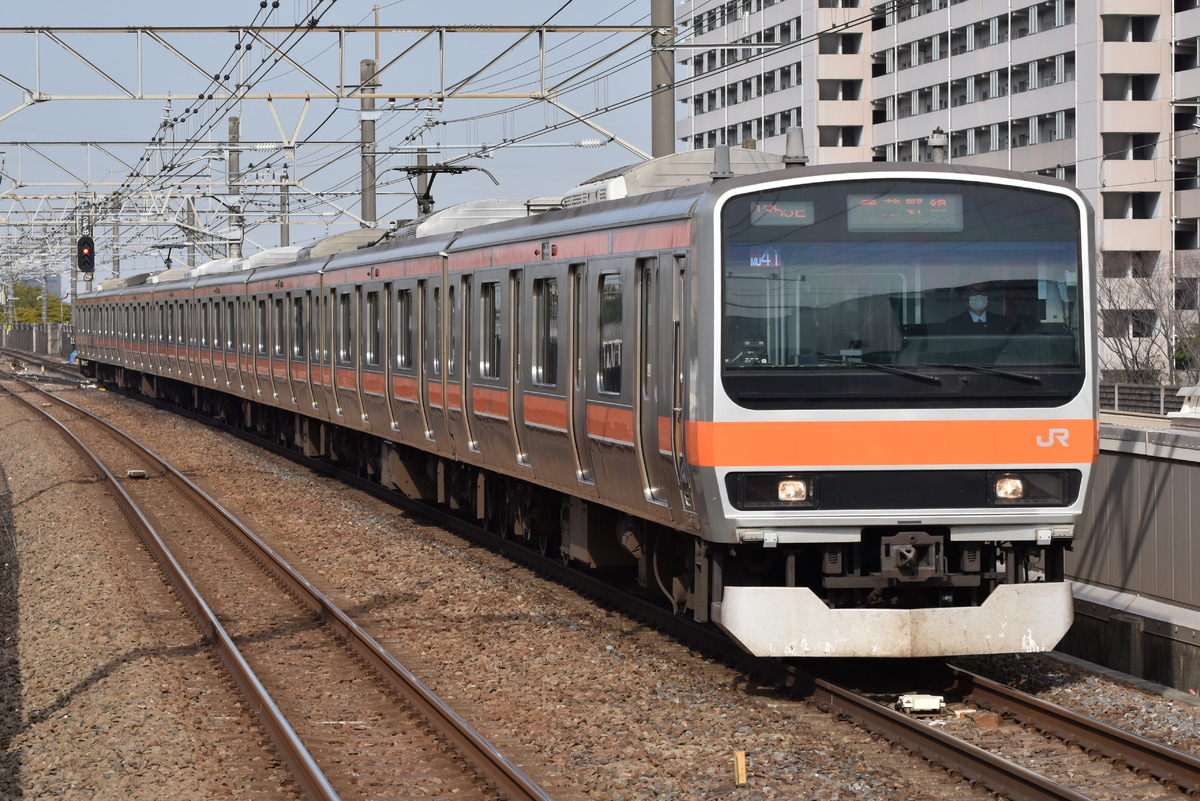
96	707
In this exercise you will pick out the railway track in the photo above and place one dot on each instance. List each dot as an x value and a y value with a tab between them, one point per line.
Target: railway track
1139	759
347	718
1102	759
997	758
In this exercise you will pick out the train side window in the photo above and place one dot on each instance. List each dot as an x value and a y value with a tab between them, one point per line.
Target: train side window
279	345
298	330
611	335
452	347
514	292
405	323
437	331
545	342
218	337
261	328
345	329
372	334
246	327
490	330
312	308
204	332
231	327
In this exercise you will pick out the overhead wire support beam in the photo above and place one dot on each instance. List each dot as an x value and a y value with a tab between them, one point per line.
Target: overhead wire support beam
321	89
62	63
609	135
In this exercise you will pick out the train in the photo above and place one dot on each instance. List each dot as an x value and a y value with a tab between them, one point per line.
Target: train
731	379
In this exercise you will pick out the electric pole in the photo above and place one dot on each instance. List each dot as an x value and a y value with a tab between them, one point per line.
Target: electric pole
368	115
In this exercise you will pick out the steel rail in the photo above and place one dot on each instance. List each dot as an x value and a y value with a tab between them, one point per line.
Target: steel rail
304	768
1161	761
501	773
1001	776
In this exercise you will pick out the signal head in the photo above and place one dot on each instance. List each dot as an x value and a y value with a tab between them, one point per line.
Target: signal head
85	254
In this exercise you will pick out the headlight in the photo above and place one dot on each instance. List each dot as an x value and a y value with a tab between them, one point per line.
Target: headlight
793	490
1028	489
772	490
1009	489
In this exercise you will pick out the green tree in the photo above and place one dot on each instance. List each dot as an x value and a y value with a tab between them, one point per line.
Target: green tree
29	306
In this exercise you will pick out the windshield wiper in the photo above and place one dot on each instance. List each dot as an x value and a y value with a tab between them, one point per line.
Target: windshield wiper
1032	379
886	368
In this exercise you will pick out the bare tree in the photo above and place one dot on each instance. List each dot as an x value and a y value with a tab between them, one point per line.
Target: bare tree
1148	321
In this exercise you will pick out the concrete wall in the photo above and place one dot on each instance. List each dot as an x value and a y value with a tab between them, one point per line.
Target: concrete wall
47	339
1137	557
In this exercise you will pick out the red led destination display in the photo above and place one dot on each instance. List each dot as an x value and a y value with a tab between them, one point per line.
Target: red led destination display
904	212
782	212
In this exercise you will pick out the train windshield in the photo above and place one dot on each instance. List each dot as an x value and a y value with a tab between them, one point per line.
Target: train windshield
941	293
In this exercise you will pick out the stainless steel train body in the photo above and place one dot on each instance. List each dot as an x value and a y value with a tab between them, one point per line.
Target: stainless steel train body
747	392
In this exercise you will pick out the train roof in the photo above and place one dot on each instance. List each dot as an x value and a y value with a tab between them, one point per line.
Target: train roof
670	172
662	188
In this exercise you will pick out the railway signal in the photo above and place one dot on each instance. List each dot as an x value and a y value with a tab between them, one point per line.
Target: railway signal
85	254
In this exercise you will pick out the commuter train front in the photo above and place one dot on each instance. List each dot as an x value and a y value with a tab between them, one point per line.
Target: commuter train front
882	474
752	395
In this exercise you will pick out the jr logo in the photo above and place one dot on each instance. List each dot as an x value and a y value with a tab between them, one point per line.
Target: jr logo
1055	434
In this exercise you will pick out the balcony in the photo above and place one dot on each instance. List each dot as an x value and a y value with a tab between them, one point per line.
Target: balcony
1042	44
1187	203
855	66
976	62
841	155
1043	156
1187	146
924	26
1134	234
1187	24
1187	83
1045	100
1130	7
843	112
1145	174
1134	58
1134	116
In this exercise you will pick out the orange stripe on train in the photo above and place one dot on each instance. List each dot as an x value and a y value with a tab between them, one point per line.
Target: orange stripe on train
490	402
545	412
610	423
891	443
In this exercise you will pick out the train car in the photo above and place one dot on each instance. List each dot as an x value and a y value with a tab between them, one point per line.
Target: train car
759	392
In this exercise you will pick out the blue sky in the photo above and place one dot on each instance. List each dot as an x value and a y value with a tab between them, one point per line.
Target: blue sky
542	165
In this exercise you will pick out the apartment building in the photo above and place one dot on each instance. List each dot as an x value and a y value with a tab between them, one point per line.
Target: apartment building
1103	94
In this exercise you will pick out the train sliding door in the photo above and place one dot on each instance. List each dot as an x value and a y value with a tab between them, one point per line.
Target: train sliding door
434	347
658	405
577	389
347	303
407	395
647	442
458	374
516	396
